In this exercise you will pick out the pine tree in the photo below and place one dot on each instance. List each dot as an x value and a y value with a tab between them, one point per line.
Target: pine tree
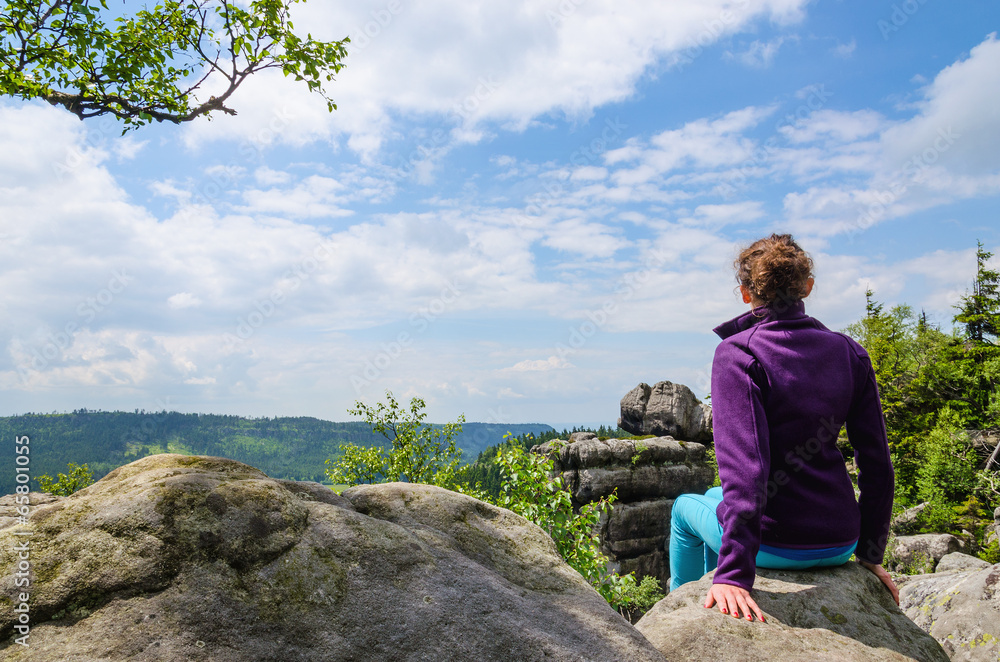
980	311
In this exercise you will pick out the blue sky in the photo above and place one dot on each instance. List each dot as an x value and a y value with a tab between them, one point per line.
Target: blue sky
520	210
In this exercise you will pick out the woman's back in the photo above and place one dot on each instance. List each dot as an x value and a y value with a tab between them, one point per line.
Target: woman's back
809	382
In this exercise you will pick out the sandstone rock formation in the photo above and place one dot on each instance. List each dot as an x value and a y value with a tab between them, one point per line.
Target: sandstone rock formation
197	558
647	475
957	562
841	614
666	409
922	552
961	609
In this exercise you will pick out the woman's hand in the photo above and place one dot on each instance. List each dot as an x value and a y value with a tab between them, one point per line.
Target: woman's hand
733	600
881	573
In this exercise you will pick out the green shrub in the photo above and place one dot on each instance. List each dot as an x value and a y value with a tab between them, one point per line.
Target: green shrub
65	484
417	453
530	490
947	473
991	553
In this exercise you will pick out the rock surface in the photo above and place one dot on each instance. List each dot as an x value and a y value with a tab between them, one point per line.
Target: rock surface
666	409
921	553
9	506
841	614
199	558
646	475
957	562
960	609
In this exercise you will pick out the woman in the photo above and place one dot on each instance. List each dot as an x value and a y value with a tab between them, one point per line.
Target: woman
782	387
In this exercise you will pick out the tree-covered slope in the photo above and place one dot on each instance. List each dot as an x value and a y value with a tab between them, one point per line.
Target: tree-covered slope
294	448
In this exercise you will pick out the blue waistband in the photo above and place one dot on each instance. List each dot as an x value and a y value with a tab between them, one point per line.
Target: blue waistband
808	554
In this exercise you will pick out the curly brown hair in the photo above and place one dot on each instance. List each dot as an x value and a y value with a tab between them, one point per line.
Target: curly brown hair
774	268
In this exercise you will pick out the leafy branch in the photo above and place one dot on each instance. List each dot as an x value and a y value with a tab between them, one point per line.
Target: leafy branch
150	66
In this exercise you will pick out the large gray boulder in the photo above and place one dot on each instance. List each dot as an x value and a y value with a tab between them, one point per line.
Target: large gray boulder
957	562
921	553
841	614
666	409
960	609
197	558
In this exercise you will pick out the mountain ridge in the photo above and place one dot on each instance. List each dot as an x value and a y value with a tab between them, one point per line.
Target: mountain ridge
292	447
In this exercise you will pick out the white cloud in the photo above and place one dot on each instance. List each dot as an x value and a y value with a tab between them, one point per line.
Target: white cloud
949	150
835	126
315	197
541	365
846	50
587	239
265	176
715	216
589	173
480	62
183	300
701	144
957	124
760	54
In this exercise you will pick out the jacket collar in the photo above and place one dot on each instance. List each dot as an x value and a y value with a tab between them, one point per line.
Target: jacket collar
778	310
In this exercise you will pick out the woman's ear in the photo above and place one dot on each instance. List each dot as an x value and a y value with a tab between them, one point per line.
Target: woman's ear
746	293
809	287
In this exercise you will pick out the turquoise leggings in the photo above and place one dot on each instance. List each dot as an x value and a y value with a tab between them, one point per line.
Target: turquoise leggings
696	535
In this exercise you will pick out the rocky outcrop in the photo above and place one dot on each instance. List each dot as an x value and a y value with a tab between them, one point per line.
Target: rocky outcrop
646	475
921	553
841	614
198	558
666	409
961	609
908	522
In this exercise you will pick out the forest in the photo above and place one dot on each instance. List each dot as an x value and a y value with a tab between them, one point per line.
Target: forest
290	448
940	396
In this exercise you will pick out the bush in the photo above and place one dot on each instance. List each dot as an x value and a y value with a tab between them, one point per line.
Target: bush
417	453
530	490
947	474
78	478
991	553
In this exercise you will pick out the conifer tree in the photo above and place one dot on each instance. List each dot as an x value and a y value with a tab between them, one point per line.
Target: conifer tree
979	311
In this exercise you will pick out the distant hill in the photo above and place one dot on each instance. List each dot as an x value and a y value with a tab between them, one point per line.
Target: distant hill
292	448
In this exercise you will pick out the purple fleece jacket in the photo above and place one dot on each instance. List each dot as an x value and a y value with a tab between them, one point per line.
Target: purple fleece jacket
782	387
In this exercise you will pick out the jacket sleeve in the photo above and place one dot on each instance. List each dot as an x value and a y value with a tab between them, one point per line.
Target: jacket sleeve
743	452
876	479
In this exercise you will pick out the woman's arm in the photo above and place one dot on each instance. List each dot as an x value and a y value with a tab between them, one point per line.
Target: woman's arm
741	448
876	479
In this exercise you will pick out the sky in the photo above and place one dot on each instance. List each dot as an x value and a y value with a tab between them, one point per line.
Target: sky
519	211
